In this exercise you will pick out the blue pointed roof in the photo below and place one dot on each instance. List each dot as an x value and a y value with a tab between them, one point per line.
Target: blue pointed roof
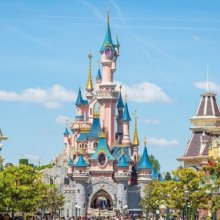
80	101
120	103
122	162
99	76
155	174
70	163
117	153
66	132
81	162
126	115
94	131
145	163
102	147
108	38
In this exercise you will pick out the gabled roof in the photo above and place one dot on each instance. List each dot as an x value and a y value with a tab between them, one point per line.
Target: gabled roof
99	76
81	162
122	162
80	101
126	115
66	132
108	38
145	163
102	148
120	103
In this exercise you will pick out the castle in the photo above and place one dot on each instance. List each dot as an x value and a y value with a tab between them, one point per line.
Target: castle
100	168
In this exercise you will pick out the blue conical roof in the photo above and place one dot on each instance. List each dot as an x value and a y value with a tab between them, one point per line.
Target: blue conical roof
81	162
66	132
70	163
108	38
79	100
122	162
155	174
145	162
120	103
102	147
126	115
99	76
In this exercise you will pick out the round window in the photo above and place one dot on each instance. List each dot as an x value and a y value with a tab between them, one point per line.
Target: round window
102	159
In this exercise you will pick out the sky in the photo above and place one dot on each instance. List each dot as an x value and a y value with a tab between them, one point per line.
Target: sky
167	49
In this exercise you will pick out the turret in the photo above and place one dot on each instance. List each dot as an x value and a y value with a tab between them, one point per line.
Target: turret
98	79
81	105
120	107
135	143
144	167
122	176
89	85
126	120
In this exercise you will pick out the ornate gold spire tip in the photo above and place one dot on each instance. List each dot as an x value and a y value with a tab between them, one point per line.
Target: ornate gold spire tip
89	85
135	139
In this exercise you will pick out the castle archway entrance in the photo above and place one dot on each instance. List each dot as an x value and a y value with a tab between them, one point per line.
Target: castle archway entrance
101	200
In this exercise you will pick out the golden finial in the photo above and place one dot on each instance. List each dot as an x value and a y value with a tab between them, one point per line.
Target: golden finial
135	139
89	85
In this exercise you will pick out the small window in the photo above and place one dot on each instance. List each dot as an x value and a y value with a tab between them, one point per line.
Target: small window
78	191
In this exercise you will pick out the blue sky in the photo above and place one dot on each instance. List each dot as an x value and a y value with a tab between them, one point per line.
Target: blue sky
165	49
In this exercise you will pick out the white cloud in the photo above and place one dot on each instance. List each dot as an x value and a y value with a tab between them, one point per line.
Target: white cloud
213	87
153	121
162	142
61	119
50	98
145	92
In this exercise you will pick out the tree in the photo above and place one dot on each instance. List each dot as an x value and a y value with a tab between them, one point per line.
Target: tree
154	162
22	189
168	176
53	200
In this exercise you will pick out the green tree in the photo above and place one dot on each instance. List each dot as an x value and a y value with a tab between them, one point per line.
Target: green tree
21	189
52	201
168	176
154	162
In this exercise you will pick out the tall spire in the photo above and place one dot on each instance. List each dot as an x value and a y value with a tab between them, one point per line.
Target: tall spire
89	85
108	38
207	72
135	138
120	104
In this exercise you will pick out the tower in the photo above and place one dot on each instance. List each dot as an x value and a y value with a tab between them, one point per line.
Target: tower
205	133
135	143
144	169
120	107
126	125
107	95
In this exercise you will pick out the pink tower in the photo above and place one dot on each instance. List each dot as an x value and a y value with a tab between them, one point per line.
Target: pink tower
106	94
